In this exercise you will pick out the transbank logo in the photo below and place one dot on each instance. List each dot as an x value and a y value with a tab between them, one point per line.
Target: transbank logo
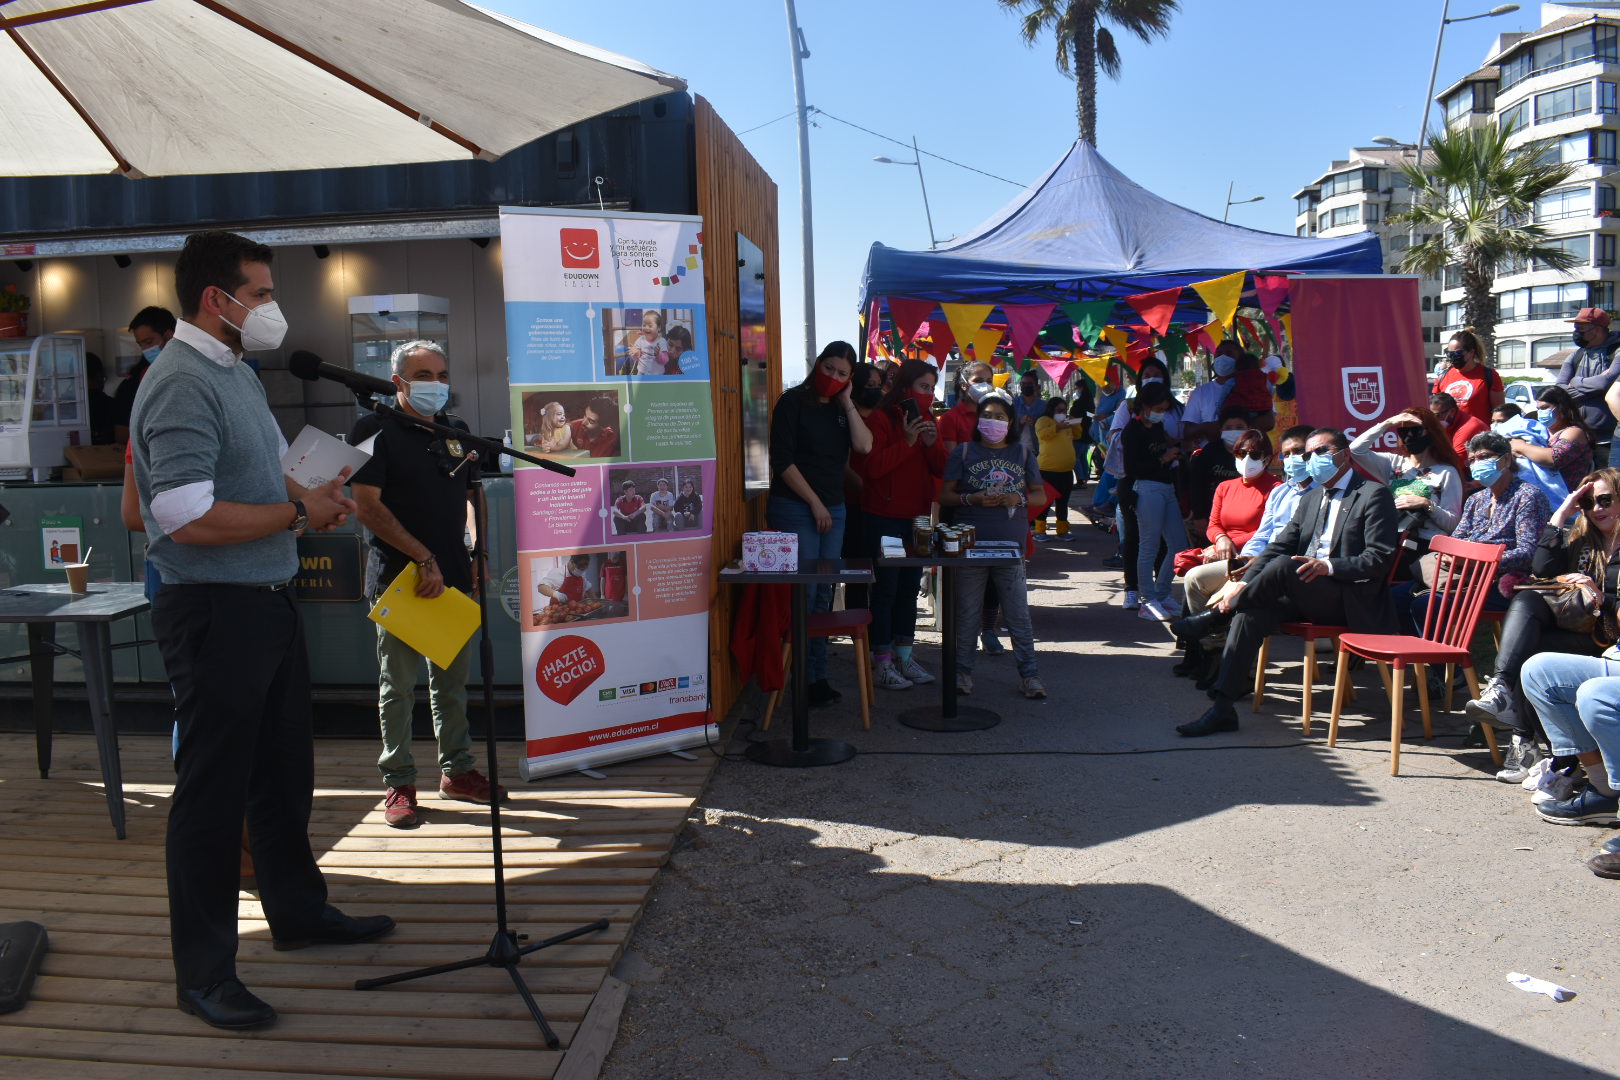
581	249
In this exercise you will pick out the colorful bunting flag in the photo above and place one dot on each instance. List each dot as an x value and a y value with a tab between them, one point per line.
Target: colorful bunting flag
1288	327
984	342
939	339
1222	294
873	330
1024	322
1095	367
1117	338
1156	308
1272	289
908	315
1276	331
965	321
1089	317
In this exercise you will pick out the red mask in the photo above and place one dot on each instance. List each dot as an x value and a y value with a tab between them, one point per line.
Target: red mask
925	402
827	386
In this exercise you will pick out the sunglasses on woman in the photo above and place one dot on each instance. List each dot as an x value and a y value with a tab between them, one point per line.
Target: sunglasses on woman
1604	501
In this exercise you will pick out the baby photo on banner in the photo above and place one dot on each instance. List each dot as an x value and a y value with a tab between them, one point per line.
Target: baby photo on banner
607	345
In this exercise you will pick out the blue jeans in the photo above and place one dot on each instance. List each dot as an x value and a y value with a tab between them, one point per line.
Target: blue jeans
792	515
1158	520
1614	455
1578	700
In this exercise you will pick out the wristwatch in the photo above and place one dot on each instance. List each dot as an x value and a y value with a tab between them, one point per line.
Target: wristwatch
300	519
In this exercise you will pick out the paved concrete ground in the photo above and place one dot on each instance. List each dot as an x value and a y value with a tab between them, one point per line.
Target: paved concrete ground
1047	899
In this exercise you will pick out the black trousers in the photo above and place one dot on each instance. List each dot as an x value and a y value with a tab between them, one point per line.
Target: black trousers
856	546
1277	596
236	658
1531	627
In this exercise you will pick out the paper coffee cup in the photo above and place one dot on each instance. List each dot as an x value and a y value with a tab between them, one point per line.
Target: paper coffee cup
78	576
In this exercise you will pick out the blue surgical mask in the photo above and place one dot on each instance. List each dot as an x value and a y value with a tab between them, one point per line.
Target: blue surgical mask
1156	417
1487	472
428	398
1546	416
1295	468
1224	366
1321	467
151	355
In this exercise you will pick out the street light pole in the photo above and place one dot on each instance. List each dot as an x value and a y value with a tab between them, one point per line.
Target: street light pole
1229	203
1434	68
917	161
800	53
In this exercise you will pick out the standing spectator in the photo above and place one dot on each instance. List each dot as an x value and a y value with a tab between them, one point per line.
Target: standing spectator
1028	407
1056	435
902	472
152	327
1080	410
1460	426
814	427
866	390
1590	370
1475	388
989	482
1151	459
416	495
1569	448
223	522
103	409
1151	373
973	378
1201	418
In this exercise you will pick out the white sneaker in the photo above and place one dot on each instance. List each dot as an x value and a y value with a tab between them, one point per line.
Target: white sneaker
1031	687
1494	705
910	669
888	677
1521	755
964	683
1154	611
1132	600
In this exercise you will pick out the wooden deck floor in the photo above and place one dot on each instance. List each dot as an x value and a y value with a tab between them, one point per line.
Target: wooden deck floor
576	850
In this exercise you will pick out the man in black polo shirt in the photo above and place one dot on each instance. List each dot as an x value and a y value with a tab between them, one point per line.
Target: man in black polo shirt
414	497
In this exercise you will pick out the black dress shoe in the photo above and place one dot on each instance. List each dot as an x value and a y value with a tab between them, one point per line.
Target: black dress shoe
226	1004
1192	660
1199	626
337	928
1220	717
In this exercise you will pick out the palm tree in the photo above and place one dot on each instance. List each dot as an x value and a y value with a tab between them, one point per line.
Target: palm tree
1084	44
1473	201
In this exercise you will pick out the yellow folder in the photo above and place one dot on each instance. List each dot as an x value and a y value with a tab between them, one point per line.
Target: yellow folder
437	628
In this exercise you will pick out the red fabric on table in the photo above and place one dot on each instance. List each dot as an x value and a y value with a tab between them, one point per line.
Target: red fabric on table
760	620
901	479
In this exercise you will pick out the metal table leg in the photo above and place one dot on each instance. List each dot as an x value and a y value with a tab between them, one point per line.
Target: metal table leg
951	715
801	751
95	649
42	669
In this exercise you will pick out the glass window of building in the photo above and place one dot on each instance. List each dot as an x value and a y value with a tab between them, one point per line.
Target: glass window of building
1606	97
1546	348
1511	306
1566	202
1603	252
1565	101
1578	246
1514	118
1603	147
1511	354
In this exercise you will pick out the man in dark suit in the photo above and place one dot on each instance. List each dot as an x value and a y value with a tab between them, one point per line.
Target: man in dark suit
1330	565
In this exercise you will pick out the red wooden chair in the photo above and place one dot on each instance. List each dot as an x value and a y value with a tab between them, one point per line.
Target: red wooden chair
823	624
1312	633
1462	579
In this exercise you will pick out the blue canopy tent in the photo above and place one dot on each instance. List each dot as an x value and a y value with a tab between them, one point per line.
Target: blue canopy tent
1086	231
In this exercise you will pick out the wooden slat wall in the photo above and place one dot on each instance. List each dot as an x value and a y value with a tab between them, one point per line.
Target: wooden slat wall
734	195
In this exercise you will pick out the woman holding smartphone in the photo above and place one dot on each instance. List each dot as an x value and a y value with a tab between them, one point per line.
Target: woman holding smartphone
901	473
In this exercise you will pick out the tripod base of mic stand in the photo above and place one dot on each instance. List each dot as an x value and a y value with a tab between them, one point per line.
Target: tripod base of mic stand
504	952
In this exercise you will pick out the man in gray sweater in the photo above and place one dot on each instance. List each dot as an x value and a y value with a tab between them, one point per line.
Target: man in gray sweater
222	523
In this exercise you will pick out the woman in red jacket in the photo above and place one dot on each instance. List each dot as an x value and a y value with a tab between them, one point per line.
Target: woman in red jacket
902	474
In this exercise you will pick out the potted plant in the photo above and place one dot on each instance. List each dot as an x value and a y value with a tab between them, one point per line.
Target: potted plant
13	313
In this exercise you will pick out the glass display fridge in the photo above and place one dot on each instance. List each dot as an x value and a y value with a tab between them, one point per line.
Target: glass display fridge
42	404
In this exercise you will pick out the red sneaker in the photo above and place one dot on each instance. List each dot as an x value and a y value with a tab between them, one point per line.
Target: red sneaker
399	807
470	786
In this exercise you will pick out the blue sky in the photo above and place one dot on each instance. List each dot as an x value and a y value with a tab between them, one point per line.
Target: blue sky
1263	93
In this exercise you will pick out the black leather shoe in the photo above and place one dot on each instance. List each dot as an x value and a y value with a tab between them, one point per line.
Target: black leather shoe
1199	626
226	1004
1220	717
337	928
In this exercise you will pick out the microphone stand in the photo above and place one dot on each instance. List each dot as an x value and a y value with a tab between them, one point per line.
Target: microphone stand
504	952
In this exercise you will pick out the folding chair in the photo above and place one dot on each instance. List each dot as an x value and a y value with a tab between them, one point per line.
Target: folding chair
1462	579
851	623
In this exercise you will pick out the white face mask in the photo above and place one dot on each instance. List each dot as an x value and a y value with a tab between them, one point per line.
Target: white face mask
1230	438
1251	467
263	327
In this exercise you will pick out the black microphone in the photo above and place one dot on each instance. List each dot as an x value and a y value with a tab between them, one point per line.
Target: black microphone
308	366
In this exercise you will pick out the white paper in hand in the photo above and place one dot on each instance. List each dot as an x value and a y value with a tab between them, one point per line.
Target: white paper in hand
315	457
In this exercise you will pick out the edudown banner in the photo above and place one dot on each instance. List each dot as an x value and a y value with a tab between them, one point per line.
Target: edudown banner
608	356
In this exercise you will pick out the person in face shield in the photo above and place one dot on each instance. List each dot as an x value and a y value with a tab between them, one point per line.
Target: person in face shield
222	523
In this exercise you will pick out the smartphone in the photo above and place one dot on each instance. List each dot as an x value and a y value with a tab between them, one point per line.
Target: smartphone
909	407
